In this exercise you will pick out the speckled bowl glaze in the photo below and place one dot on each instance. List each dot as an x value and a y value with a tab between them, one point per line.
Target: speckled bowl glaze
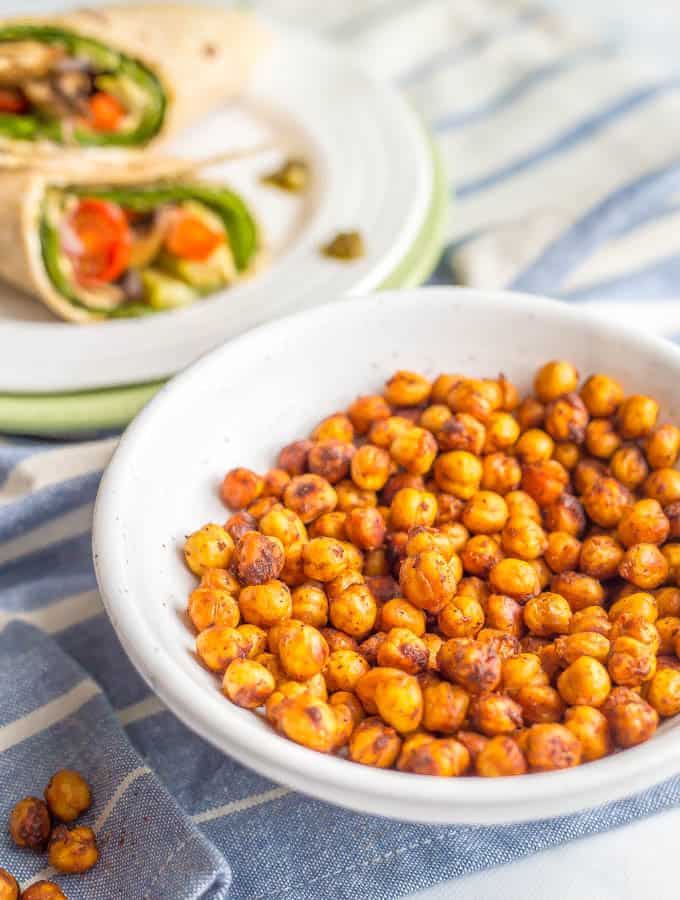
238	406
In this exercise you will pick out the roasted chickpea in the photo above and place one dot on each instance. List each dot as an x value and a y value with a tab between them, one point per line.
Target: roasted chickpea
293	457
663	692
504	614
218	645
474	587
579	590
293	573
472	664
548	614
248	683
544	481
477	397
480	555
602	395
542	571
428	580
384	431
601	439
584	683
274	483
644	522
265	604
644	565
310	605
442	386
9	889
635	626
631	662
72	850
587	473
325	558
521	670
415	450
422	538
352	497
631	719
552	746
258	558
344	580
337	427
43	890
411	507
308	721
555	379
663	485
499	757
401	649
461	431
573	646
566	418
667	629
668	602
407	389
344	669
459	473
629	467
540	703
399	701
338	640
261	507
516	578
211	606
485	513
504	644
426	755
502	431
600	557
591	728
535	445
530	414
672	554
238	524
400	613
662	447
365	528
374	743
309	496
330	459
68	795
607	501
302	649
354	611
523	538
565	514
241	487
445	707
284	525
562	551
637	416
366	410
500	473
461	617
211	547
494	714
521	505
29	823
567	454
383	587
590	619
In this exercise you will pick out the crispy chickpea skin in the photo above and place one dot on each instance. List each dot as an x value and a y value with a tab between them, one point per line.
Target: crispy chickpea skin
499	757
631	719
365	527
565	514
540	703
571	647
480	555
344	669
248	683
29	823
211	547
9	889
265	604
644	565
663	692
68	795
218	645
373	743
461	431
485	513
401	649
516	578
209	606
428	580
309	496
368	409
518	671
600	557
472	664
544	481
399	700
72	850
631	662
552	746
337	427
411	507
602	395
302	649
555	379
354	611
591	728
400	613
523	538
258	558
324	559
445	707
579	590
241	487
562	552
42	890
628	466
308	721
601	439
645	522
566	418
607	501
415	450
462	616
500	473
426	755
637	416
330	459
310	604
662	447
370	467
407	389
584	683
494	714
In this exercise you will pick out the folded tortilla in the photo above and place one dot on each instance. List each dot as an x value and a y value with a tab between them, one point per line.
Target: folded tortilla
29	246
189	58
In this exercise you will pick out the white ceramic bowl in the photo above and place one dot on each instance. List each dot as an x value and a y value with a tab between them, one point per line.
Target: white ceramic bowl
238	406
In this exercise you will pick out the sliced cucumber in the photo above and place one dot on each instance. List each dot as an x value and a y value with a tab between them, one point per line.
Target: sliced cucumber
161	291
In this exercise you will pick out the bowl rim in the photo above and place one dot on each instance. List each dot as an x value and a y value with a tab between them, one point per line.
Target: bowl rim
164	673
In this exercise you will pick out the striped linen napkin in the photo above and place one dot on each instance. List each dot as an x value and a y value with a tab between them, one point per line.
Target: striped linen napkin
565	158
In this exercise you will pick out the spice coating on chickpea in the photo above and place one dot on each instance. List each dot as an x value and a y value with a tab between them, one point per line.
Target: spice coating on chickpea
491	579
43	890
68	795
72	850
29	823
9	889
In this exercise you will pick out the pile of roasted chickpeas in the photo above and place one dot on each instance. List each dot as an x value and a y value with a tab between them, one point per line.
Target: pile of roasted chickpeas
449	579
69	850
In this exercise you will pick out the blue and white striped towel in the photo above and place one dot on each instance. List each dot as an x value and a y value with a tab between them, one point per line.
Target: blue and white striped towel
566	158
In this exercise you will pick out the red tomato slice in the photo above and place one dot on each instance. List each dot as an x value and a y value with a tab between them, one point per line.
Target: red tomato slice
100	241
106	111
12	101
189	238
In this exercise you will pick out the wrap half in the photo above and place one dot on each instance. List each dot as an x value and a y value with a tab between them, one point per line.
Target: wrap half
119	77
131	245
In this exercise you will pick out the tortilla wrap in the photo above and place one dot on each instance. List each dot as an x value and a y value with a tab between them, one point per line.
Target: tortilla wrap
22	262
202	56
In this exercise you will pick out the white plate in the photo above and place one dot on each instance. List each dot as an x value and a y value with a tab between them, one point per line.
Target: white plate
372	170
238	406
